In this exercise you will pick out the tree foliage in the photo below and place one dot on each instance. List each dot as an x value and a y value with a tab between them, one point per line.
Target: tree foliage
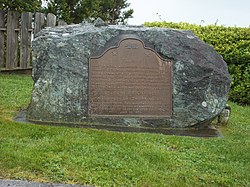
76	11
21	5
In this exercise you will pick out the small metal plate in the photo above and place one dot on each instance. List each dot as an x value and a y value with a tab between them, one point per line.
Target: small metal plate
130	80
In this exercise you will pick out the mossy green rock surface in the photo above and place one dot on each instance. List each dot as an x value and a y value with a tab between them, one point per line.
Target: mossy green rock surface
201	81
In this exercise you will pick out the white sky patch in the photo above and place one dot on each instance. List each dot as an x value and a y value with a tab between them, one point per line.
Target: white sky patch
205	12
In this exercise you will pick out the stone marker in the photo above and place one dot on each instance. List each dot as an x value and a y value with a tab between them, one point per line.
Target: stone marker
126	76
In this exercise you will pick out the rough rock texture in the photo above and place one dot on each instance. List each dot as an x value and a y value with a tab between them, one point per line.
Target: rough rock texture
201	81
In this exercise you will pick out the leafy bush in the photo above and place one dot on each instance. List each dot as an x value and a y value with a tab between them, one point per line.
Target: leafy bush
233	43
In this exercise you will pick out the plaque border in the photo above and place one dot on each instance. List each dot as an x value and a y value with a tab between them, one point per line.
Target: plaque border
133	37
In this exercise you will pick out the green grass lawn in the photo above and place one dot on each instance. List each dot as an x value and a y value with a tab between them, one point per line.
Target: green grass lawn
103	158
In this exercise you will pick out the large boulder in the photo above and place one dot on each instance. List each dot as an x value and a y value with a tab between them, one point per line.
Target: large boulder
200	78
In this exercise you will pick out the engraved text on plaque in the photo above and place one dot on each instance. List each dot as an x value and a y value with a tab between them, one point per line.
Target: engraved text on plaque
130	80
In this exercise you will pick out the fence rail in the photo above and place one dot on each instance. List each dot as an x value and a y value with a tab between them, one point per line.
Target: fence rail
16	32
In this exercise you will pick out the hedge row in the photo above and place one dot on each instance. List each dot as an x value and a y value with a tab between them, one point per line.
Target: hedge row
233	43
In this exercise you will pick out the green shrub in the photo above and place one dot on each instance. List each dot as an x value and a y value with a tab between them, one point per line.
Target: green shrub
233	43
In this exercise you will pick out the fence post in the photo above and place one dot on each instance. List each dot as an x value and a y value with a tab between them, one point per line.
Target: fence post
15	47
51	20
12	39
2	49
25	45
39	22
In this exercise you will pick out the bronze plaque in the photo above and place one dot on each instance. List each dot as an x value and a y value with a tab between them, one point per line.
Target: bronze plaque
130	80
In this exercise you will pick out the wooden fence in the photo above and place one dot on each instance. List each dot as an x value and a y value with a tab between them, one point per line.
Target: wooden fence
16	33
